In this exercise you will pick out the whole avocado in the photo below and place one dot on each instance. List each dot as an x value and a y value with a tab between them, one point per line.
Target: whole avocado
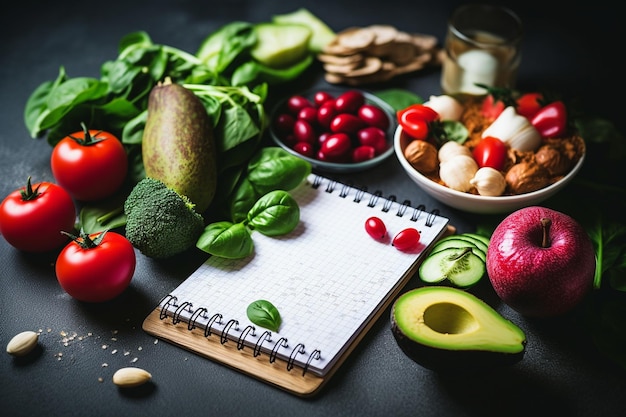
178	146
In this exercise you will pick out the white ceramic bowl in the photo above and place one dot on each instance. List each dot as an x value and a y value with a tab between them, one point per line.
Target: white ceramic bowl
475	203
335	167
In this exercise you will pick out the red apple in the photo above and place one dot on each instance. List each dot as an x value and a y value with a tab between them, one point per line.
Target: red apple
541	262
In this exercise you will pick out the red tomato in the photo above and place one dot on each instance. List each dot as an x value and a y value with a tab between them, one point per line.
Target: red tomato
490	152
373	116
363	153
350	101
32	218
376	228
406	239
346	123
96	268
529	104
90	165
336	145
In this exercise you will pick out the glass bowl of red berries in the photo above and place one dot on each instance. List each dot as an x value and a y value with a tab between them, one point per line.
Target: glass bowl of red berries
335	130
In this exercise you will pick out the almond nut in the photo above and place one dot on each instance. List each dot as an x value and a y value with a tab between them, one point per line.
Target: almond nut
22	343
131	377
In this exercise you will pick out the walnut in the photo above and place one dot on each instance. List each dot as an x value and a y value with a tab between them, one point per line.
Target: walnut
553	160
526	177
422	156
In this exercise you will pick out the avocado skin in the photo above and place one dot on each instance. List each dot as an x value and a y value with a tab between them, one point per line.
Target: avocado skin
178	146
449	360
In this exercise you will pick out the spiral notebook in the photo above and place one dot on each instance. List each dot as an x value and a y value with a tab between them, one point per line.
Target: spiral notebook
328	279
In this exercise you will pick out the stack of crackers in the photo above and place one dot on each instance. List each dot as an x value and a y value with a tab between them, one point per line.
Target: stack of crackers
376	53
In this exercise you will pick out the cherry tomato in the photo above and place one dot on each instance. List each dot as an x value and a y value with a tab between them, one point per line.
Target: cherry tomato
322	97
309	115
376	228
304	148
96	268
373	116
551	120
303	131
336	145
297	103
529	104
346	123
349	102
363	153
32	218
283	124
326	113
90	165
373	136
490	152
406	239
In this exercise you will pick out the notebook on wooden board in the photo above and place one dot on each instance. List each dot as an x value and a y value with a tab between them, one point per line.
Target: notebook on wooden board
328	279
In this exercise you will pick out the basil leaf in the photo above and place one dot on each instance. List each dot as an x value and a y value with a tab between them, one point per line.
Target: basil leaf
264	314
276	213
398	98
244	198
226	240
274	168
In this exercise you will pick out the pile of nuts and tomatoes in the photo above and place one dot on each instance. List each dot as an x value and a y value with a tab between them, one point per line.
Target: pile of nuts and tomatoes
341	128
491	146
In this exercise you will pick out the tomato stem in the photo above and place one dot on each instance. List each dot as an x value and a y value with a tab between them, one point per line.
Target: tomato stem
87	139
84	240
28	193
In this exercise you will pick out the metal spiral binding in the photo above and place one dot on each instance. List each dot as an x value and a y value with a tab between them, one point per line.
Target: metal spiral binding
215	318
292	357
374	198
388	203
359	194
345	190
331	186
267	335
243	335
194	317
185	305
317	181
165	302
281	342
224	335
431	217
402	209
316	354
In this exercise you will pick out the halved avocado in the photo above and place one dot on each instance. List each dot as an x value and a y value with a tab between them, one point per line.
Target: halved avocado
448	329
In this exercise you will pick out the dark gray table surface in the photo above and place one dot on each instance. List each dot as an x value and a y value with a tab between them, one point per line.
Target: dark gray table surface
572	50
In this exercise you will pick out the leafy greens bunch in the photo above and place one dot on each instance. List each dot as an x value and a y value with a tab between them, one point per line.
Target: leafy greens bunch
119	100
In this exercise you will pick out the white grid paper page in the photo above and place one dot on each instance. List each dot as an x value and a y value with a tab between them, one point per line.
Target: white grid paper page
327	278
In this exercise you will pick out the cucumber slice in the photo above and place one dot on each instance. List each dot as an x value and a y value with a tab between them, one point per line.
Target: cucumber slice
280	45
485	239
460	243
479	243
322	33
461	266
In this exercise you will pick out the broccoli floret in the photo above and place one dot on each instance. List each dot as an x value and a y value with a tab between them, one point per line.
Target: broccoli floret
159	221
